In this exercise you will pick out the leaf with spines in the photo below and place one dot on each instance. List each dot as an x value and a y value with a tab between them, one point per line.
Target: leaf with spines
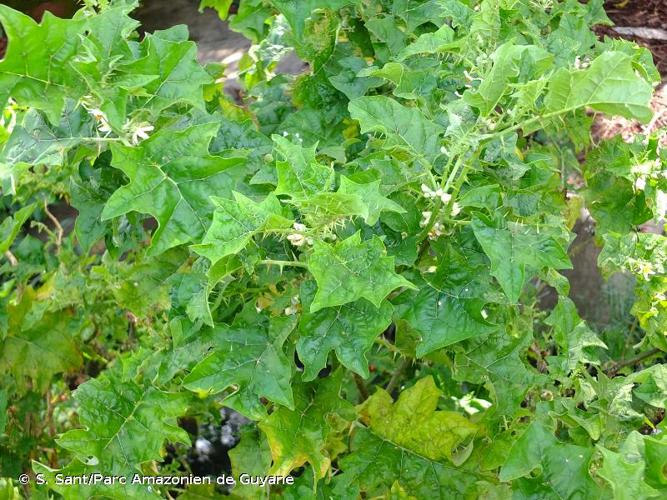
431	43
509	61
35	70
403	126
374	464
236	221
36	142
54	479
169	69
370	195
610	85
172	177
496	360
517	251
563	466
349	330
248	358
250	456
299	173
443	318
575	339
351	270
298	13
625	470
409	442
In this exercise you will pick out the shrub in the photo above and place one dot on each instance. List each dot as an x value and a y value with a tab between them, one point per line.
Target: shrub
355	258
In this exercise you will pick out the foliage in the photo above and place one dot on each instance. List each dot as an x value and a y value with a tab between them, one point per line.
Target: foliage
353	258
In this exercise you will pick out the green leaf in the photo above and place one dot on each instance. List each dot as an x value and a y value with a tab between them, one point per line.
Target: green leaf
37	142
236	221
248	358
403	126
508	61
430	43
349	330
117	416
517	252
448	307
35	349
413	422
351	270
496	360
575	339
528	451
371	197
298	14
11	226
415	13
35	70
172	177
610	85
169	69
299	173
303	433
564	467
625	471
99	490
375	464
221	6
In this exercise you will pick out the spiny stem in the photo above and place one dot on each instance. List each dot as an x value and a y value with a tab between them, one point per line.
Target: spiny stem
386	344
56	223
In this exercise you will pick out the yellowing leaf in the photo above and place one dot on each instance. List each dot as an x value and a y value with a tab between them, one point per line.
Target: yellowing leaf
415	423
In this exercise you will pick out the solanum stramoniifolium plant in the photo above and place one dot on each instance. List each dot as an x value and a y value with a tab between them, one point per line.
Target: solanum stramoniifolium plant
350	257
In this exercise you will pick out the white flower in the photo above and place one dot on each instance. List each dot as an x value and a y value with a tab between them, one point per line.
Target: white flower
140	133
299	227
435	231
431	269
428	192
456	209
445	197
98	114
101	119
104	127
640	183
426	216
646	270
296	239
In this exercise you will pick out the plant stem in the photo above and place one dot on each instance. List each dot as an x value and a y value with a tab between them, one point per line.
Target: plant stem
11	258
283	263
361	387
394	381
59	229
632	361
386	344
